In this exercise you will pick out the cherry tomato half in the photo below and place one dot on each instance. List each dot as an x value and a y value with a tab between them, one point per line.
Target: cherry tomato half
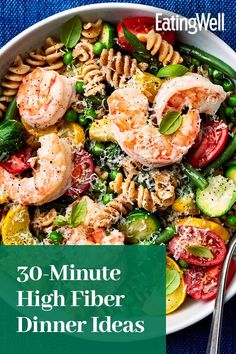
210	143
17	163
140	25
81	174
201	282
191	236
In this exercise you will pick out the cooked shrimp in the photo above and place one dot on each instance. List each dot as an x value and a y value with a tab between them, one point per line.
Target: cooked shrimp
136	131
44	96
191	91
51	175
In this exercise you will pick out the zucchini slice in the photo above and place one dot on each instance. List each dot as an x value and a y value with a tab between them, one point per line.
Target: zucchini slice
218	197
139	225
108	35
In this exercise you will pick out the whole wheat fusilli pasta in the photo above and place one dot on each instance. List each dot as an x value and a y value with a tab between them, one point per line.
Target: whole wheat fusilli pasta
111	213
93	78
54	54
83	51
157	45
161	198
91	31
118	68
11	82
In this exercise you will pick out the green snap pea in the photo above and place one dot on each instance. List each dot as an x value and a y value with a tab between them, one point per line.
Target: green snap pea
113	174
56	237
195	176
107	198
229	112
71	115
12	110
228	85
98	48
224	156
166	235
207	59
232	100
79	87
98	149
68	58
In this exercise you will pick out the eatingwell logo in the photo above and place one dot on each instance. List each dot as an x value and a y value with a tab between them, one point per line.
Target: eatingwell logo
191	25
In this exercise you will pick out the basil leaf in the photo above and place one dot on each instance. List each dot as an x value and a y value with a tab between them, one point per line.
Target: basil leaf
71	32
170	123
78	213
200	251
136	44
172	70
59	221
172	281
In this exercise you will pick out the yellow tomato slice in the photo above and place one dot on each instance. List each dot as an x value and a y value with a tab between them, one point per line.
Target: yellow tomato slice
185	204
73	132
206	224
15	227
149	84
174	300
101	130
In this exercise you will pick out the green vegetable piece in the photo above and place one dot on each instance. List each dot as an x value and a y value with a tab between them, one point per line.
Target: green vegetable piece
12	138
206	58
200	251
71	32
56	237
195	62
229	112
223	157
68	58
107	198
166	235
82	120
217	75
113	174
71	115
108	35
183	264
12	110
232	100
174	70
91	113
139	225
98	48
78	213
228	85
172	281
218	198
231	220
79	87
170	123
99	186
210	70
60	220
231	173
195	177
98	149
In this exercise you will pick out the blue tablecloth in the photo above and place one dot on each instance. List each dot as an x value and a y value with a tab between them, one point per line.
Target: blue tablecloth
18	15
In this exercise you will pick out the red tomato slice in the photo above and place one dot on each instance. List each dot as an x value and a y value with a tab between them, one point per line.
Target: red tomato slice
81	174
202	282
209	145
187	236
18	163
140	25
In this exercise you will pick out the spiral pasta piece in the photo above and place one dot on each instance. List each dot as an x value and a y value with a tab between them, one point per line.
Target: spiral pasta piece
83	51
118	68
36	58
160	199
11	82
54	54
112	212
157	45
91	31
93	78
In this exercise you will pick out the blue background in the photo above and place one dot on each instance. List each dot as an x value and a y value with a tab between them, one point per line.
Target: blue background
17	15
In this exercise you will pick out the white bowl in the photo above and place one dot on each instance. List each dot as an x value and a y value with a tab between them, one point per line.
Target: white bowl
192	311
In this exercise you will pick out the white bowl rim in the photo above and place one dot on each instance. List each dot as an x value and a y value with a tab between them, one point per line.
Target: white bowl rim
232	289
